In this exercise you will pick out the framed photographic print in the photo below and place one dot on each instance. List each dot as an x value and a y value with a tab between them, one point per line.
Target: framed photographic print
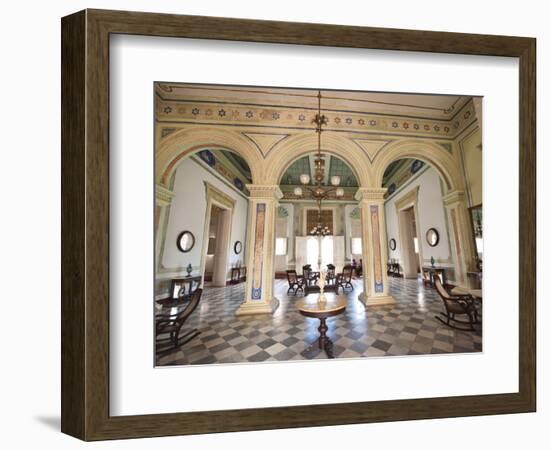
335	217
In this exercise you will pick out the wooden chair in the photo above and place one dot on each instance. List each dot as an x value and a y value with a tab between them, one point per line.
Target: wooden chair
331	274
344	278
309	276
173	324
462	305
315	288
359	269
295	282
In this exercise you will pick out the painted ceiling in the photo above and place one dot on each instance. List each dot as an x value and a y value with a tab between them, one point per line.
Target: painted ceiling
228	166
400	172
333	167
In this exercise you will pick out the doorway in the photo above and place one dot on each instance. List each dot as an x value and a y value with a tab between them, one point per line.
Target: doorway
409	242
217	252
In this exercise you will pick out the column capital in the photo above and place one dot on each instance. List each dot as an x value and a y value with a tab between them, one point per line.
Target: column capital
163	195
265	192
376	194
454	197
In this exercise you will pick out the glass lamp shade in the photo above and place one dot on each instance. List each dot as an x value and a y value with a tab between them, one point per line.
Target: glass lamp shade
304	178
298	191
335	180
339	192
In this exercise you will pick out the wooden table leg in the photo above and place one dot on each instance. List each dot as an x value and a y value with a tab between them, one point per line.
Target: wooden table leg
324	341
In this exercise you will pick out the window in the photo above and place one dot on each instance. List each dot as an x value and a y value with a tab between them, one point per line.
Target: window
312	255
312	219
416	245
357	246
327	251
280	246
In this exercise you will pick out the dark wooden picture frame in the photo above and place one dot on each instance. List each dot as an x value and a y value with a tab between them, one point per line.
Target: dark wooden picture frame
85	224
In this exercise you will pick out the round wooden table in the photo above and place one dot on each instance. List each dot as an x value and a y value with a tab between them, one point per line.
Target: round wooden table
310	307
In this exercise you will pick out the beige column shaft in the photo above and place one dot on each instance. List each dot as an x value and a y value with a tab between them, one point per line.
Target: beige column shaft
462	240
262	210
373	224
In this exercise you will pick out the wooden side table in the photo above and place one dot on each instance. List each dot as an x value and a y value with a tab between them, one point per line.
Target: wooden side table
437	272
238	274
181	289
309	306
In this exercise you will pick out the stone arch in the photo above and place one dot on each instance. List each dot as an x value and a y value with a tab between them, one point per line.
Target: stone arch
335	144
172	150
429	152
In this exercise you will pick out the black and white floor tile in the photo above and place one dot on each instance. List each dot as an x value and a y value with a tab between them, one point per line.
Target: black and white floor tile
406	328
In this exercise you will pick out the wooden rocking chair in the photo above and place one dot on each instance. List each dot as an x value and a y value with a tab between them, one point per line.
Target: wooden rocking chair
462	305
173	324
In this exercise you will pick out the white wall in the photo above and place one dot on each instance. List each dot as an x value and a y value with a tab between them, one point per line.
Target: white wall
188	212
431	214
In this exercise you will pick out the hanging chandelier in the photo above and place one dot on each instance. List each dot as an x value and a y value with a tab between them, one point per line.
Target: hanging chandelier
319	191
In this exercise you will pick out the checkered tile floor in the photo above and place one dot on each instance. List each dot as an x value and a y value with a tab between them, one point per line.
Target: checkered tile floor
406	328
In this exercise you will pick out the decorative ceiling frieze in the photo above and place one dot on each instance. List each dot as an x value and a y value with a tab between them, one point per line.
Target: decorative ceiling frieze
281	117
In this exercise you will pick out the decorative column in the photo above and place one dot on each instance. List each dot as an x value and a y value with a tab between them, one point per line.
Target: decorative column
262	211
163	200
375	252
462	239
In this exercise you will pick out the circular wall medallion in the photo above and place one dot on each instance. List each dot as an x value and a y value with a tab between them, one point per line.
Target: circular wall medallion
185	241
432	237
238	247
393	244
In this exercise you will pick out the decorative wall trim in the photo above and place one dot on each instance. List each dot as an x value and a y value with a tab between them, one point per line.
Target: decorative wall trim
163	196
411	179
268	192
409	199
218	176
454	197
371	146
234	113
257	270
216	195
370	194
376	250
265	142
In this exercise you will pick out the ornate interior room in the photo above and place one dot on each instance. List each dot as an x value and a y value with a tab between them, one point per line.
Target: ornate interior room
298	224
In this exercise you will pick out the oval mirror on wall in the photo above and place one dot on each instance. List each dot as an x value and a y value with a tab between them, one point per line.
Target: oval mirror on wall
393	244
432	237
185	241
238	247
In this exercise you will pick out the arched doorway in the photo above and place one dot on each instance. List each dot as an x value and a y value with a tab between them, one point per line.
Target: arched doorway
319	232
440	202
204	195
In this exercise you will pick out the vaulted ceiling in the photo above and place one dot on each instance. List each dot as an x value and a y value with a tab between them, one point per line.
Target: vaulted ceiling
333	167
